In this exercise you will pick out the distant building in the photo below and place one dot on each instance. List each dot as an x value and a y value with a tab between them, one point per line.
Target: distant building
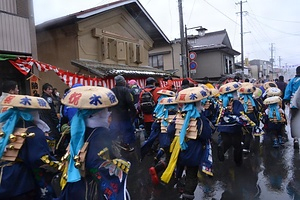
261	69
277	72
215	55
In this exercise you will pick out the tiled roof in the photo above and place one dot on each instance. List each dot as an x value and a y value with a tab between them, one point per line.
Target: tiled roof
104	70
213	38
211	41
133	7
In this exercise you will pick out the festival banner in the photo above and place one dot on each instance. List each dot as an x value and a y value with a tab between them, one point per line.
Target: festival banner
25	64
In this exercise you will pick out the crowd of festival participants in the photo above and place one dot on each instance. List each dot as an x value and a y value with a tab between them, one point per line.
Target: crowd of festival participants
71	148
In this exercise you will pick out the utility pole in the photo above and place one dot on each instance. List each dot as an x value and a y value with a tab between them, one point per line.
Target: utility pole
182	41
279	63
242	39
272	59
186	52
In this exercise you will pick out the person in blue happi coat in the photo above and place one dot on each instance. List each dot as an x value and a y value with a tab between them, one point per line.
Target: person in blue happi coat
192	132
230	122
290	90
26	164
275	118
211	105
159	113
251	111
91	167
165	113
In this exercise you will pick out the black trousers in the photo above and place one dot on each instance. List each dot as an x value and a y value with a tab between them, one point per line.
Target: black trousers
247	137
234	140
148	128
191	179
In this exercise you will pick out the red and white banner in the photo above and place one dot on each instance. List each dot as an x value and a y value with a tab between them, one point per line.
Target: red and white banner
69	78
176	82
23	65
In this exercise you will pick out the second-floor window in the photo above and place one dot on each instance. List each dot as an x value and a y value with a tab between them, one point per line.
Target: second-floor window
157	61
118	48
228	65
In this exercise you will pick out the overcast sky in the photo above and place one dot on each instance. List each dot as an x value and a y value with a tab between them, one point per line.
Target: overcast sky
265	22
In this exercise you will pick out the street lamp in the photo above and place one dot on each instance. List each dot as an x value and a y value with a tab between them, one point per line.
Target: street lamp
201	32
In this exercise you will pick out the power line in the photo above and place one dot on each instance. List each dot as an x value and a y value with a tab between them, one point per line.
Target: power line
255	29
258	23
148	2
297	22
221	12
191	11
280	31
258	43
102	2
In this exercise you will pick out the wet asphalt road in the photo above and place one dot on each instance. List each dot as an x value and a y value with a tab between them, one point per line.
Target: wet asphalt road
266	173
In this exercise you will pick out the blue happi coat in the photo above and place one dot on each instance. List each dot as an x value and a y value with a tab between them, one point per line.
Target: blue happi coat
26	174
103	179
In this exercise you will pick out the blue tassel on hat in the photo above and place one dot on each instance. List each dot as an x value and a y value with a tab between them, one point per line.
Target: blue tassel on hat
77	141
274	108
192	112
11	117
203	101
225	98
160	110
246	98
167	109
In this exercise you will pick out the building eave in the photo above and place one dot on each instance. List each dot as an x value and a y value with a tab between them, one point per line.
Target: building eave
133	7
220	47
108	70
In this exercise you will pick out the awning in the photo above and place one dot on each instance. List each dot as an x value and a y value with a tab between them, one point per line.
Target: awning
107	70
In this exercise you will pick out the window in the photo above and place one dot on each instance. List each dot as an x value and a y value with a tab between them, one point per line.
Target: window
118	48
264	72
228	65
157	61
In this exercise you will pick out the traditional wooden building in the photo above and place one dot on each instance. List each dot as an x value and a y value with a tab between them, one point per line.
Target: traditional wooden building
101	43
